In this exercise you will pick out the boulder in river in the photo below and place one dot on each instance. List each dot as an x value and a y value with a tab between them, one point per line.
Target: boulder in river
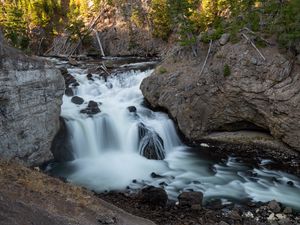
77	100
151	144
131	109
69	92
91	109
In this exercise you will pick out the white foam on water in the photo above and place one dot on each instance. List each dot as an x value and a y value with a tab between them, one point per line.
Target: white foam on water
107	149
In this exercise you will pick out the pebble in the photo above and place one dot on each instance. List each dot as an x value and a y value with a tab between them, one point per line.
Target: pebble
274	206
271	217
288	210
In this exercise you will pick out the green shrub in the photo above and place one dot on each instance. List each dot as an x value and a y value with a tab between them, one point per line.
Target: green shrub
226	70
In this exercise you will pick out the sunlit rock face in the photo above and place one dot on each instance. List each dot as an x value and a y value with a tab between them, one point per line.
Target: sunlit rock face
237	90
30	98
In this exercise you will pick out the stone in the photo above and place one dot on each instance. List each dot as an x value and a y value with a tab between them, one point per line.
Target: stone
109	85
69	92
190	199
30	100
77	100
274	206
153	196
288	210
252	98
151	144
90	77
131	109
224	39
284	221
271	217
91	109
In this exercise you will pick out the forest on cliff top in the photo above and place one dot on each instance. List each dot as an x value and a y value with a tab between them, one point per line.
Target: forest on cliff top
34	21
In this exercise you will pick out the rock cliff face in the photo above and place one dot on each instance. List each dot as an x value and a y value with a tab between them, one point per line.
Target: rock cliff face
237	90
30	98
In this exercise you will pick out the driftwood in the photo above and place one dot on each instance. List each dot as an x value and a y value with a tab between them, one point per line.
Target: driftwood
99	43
253	45
88	31
261	38
208	52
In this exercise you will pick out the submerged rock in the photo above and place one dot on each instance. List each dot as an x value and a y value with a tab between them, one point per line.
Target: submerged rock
77	100
131	109
151	144
91	109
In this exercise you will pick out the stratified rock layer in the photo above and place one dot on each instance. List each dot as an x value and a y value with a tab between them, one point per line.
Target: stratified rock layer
30	98
237	90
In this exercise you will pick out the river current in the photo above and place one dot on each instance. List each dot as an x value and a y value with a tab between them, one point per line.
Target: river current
108	149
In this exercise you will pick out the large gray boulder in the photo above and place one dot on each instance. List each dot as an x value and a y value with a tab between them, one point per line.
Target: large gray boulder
31	92
237	90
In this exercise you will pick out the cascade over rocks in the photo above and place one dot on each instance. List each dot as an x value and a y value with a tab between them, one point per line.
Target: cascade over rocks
91	109
236	88
151	144
30	99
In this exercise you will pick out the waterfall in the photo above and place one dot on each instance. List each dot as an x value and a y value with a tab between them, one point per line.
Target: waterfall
121	146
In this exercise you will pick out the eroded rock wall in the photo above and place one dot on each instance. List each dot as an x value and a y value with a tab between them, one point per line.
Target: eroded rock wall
31	92
236	89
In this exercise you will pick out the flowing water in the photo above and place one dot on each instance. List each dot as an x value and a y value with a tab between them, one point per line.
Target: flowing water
108	148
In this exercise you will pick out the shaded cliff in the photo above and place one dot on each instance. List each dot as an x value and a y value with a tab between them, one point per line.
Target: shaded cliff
237	90
30	99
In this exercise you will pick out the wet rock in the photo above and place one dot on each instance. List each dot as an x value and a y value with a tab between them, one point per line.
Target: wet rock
61	147
290	183
131	109
155	175
69	79
153	196
190	199
224	38
151	144
69	92
90	77
109	85
77	100
274	206
91	109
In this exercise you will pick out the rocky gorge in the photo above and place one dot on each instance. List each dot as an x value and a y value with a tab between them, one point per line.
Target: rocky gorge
232	94
238	99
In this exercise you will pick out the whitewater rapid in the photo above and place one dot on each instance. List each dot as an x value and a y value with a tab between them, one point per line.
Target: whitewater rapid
107	149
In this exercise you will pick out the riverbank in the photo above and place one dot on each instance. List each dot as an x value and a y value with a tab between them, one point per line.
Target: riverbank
214	213
27	197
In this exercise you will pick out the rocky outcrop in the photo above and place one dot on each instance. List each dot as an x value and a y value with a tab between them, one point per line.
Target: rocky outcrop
122	35
237	90
30	99
29	197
